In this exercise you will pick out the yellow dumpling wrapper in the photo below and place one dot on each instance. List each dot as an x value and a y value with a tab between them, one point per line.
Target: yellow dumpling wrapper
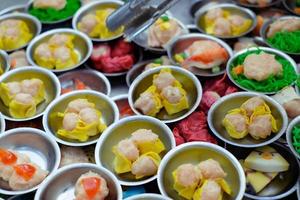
225	186
156	98
73	60
176	107
40	96
237	30
198	193
96	30
168	70
5	94
121	163
68	43
104	32
19	110
153	156
264	110
48	63
230	127
210	24
155	146
1	70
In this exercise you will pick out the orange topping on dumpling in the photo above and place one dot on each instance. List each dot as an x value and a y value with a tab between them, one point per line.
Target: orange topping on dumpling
7	157
26	171
91	186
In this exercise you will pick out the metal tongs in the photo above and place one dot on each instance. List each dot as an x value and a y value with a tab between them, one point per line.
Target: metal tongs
137	15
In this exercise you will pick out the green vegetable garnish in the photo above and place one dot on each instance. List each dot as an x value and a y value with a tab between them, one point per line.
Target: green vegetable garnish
286	41
216	69
158	61
52	15
298	3
273	83
183	55
165	18
296	138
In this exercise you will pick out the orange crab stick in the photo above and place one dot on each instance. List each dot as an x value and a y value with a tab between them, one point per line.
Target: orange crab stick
7	157
26	171
91	186
210	55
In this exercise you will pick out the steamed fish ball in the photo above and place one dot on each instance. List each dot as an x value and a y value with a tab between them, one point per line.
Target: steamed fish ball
88	23
292	108
89	115
211	169
236	20
210	190
222	27
143	135
62	53
31	86
23	98
188	175
260	66
128	149
78	104
70	121
252	103
14	87
261	126
10	28
59	40
144	166
55	4
91	186
172	94
145	103
288	25
43	51
239	122
163	79
213	14
26	176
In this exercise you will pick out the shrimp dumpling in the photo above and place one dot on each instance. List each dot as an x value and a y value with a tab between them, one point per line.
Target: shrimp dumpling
251	104
149	102
214	14
26	176
70	121
55	4
163	79
7	160
236	124
261	126
35	87
91	186
210	190
145	165
61	40
77	105
211	169
186	179
288	25
147	141
22	106
8	91
88	24
64	57
222	27
43	56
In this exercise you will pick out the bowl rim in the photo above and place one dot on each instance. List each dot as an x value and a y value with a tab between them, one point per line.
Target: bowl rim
288	135
266	24
7	60
41	134
30	3
71	94
88	6
111	128
201	36
2	123
155	70
279	196
83	36
288	8
33	19
62	170
12	9
250	95
46	72
214	147
98	74
265	49
120	97
247	11
147	195
255	6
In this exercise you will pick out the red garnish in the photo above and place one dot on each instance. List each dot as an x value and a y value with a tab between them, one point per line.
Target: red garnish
7	157
210	55
65	90
26	171
79	85
91	186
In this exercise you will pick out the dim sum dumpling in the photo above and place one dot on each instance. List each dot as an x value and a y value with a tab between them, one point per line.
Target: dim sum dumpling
186	179
222	27
43	56
35	87
288	25
61	40
55	4
89	115
91	186
26	176
22	106
251	104
8	91
18	59
211	169
164	79
149	102
64	57
147	141
88	24
210	190
214	14
70	121
7	160
261	126
145	165
236	123
77	105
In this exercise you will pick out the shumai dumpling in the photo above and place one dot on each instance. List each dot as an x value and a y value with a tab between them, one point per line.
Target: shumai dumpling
126	152
45	4
43	56
174	99
88	24
164	79
35	87
251	104
211	169
146	165
26	176
149	102
22	106
64	57
236	123
147	141
58	40
239	24
91	186
7	160
222	27
8	91
186	178
78	104
210	190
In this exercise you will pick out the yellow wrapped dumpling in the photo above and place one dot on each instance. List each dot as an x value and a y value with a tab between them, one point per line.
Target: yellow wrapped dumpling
236	123
22	106
126	152
8	91
186	178
251	104
147	141
174	99
58	40
64	57
43	56
149	102
1	70
35	87
146	165
210	190
224	185
241	28
165	78
89	24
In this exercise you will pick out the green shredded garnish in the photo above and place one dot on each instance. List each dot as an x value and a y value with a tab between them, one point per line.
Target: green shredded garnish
51	15
216	69
158	61
273	83
296	138
286	41
298	3
165	18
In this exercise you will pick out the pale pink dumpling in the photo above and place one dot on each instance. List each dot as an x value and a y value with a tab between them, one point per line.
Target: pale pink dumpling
163	80
14	88
77	105
43	51
289	25
70	121
238	121
144	166
251	104
172	94
222	27
211	169
211	191
188	175
127	148
261	126
88	23
143	135
89	115
145	103
25	99
55	4
31	86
